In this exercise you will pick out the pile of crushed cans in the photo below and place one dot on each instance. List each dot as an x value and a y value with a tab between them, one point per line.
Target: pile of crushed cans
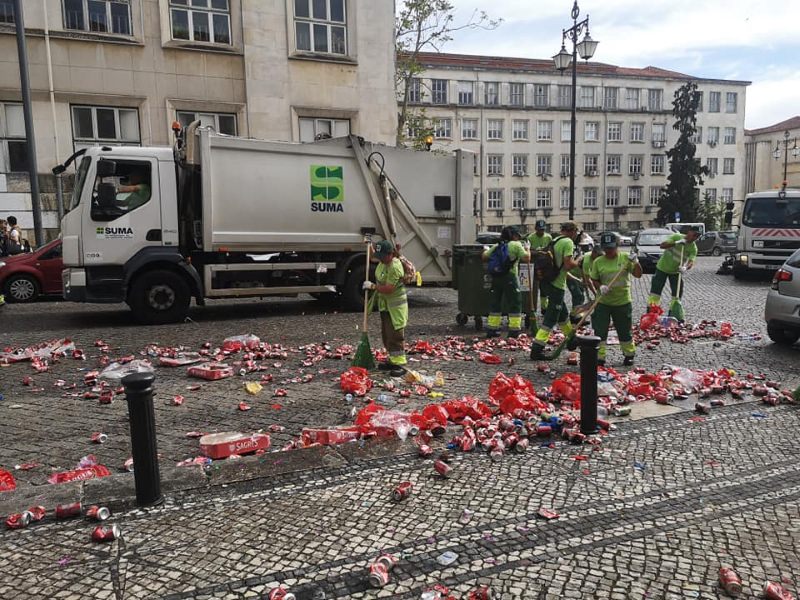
98	514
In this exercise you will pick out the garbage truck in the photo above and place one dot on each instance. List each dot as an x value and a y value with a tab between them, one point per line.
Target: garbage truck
218	216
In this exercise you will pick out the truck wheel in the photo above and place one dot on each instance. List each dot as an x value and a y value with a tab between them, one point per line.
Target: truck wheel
781	335
717	251
160	297
462	319
353	294
22	288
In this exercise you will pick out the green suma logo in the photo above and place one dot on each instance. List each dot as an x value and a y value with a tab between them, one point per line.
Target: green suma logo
327	188
100	230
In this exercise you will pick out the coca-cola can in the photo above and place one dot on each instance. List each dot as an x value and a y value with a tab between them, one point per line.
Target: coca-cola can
467	443
36	513
106	397
730	581
522	446
378	574
105	534
98	513
775	591
496	453
442	468
425	451
702	408
99	438
544	430
388	560
67	511
18	520
280	593
402	491
128	465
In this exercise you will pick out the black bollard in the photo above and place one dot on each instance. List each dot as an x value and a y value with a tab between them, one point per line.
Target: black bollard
589	345
139	393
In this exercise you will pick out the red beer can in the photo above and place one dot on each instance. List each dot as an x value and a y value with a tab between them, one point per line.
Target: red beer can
729	581
18	520
67	511
388	560
425	451
279	593
775	591
99	438
483	592
36	513
378	574
402	491
544	431
522	446
442	468
105	534
98	513
717	402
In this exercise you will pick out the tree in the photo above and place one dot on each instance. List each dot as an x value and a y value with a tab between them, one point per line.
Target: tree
424	25
712	213
685	172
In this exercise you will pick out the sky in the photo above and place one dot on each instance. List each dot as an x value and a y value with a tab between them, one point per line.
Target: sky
744	40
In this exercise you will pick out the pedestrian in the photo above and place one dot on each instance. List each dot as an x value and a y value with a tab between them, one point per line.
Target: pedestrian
680	252
611	274
540	240
556	312
392	306
14	243
503	260
3	237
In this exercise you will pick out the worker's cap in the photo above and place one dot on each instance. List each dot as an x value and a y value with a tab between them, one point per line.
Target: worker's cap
608	240
540	224
569	226
383	249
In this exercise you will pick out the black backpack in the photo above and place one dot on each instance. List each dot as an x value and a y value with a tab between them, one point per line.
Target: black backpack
544	262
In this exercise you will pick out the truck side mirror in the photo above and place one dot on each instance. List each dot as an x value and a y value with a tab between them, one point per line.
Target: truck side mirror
106	195
106	168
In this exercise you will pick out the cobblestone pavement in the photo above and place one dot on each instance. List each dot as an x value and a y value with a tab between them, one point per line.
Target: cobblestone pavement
725	490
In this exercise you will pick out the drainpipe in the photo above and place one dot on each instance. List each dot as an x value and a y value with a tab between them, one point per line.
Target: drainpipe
51	89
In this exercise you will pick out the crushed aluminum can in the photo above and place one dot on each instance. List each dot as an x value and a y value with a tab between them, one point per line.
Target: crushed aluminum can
106	397
27	380
621	411
760	390
98	513
18	520
522	446
544	430
442	468
771	400
36	513
577	438
388	560
717	402
483	592
402	491
702	408
425	451
548	514
90	378
775	591
378	575
105	534
128	465
280	593
603	424
730	581
68	511
99	438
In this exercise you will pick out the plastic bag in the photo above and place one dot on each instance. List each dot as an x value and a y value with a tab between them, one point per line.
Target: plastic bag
568	388
364	416
392	420
489	358
116	371
355	381
686	377
651	318
439	413
7	483
237	343
428	381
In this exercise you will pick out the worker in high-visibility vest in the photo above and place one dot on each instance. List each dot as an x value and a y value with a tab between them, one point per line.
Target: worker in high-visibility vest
539	240
680	252
505	291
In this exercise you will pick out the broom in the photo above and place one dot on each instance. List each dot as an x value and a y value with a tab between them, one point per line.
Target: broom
533	321
676	309
363	356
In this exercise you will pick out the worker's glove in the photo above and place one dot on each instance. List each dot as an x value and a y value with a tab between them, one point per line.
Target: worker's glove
680	242
633	256
683	268
526	244
604	289
368	285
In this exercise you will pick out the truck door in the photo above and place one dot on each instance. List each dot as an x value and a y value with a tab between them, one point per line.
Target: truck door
125	211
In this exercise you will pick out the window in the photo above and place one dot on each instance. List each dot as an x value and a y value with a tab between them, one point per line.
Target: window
439	91
494	129
697	138
659	134
566	130
655	195
712	164
494	199
591	226
132	181
13	143
730	102
442	128
95	124
492	93
7	11
519	129
544	164
727	195
614	132
657	164
476	164
415	90
610	97
544	198
516	94
590	165
713	136
612	197
590	197
654	99
711	195
466	93
632	98
564	165
587	97
494	164
565	96
591	131
563	202
220	122
541	95
634	225
209	21
544	131
637	132
519	165
614	164
714	100
519	199
729	134
635	164
312	129
634	196
469	129
727	166
699	96
102	16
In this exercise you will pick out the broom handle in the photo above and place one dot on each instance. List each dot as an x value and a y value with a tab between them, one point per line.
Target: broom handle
366	292
678	291
597	300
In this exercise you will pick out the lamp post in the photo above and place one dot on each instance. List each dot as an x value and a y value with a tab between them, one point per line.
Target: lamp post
777	154
563	60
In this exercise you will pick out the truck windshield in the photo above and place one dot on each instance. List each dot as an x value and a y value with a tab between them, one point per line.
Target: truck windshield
772	212
80	178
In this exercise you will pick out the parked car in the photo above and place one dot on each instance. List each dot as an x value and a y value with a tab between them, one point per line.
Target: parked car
24	277
782	310
487	237
648	246
717	243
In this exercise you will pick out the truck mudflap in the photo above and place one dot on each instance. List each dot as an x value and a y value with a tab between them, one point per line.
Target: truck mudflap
152	256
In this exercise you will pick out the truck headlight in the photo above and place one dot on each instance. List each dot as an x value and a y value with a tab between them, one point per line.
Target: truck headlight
743	258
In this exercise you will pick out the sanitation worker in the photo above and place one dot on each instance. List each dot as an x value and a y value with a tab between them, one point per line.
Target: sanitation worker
556	312
680	252
577	276
539	240
503	263
392	306
611	274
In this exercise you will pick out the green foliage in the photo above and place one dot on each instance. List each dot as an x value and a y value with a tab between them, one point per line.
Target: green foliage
712	213
685	172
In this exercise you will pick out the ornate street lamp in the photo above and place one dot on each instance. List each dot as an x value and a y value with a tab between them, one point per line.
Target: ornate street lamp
785	152
585	48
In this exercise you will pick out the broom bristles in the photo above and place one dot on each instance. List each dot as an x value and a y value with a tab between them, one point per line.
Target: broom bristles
363	357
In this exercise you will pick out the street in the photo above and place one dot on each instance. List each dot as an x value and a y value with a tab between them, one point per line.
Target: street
651	512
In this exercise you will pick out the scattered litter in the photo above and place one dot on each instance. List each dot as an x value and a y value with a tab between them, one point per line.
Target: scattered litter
447	558
253	388
547	513
223	445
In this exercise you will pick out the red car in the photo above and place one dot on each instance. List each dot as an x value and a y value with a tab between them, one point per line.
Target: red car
24	277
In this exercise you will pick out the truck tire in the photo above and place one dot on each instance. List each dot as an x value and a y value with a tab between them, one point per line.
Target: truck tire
159	297
352	293
782	335
717	251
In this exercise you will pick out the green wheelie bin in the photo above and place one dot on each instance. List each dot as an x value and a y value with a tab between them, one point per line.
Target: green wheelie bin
473	282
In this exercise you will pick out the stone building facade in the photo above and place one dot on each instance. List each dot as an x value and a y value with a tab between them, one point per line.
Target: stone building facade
763	171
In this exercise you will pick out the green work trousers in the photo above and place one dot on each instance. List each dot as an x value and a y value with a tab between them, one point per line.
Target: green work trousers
576	291
658	283
622	316
505	298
